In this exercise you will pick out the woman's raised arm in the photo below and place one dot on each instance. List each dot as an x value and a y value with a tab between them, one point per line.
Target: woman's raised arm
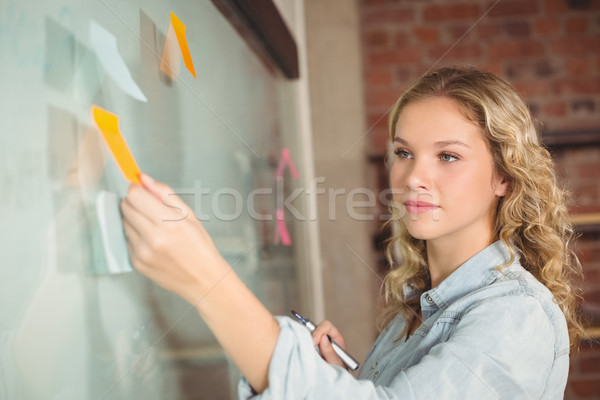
169	245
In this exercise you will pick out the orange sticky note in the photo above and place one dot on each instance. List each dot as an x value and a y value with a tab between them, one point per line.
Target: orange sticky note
179	28
171	58
108	124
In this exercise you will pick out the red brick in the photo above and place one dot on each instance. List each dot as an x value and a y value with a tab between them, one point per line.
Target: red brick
376	38
514	8
585	387
555	109
378	121
571	370
379	140
401	39
556	6
427	35
379	77
496	68
578	66
577	25
590	274
405	74
486	31
592	297
588	208
581	107
570	46
458	31
459	52
516	49
518	70
583	154
544	69
547	26
394	57
387	15
588	348
447	12
587	243
381	98
578	86
517	28
586	194
589	170
534	109
530	88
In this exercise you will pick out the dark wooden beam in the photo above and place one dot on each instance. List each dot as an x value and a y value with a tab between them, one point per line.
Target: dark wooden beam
261	25
571	138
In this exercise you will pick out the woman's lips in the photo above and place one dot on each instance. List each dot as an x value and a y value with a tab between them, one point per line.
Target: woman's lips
419	207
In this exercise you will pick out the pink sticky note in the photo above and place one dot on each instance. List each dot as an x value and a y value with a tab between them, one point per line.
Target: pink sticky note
286	160
281	231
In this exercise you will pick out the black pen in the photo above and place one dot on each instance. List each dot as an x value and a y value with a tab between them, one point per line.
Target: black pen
345	357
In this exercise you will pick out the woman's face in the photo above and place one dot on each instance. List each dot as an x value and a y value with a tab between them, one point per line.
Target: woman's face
443	174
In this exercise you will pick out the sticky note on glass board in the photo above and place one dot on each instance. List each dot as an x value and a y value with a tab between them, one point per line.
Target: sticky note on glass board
108	124
105	46
179	29
113	237
171	58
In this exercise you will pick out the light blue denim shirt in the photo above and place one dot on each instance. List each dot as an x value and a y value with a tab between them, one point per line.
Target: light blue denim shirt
485	335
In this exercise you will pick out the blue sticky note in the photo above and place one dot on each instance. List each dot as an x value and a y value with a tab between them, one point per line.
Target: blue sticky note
113	236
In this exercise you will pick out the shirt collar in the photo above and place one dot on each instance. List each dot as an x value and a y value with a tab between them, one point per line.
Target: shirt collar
475	273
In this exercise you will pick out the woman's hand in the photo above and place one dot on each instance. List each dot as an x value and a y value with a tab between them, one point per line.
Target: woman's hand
167	243
321	337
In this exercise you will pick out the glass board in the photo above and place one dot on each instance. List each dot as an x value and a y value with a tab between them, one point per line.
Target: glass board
68	328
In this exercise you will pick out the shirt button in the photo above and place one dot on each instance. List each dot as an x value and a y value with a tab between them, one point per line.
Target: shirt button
376	374
429	299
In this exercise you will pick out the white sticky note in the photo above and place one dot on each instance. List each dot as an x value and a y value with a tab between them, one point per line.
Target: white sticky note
113	236
105	46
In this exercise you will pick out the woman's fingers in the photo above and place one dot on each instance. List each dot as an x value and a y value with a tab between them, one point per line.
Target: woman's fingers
326	328
322	336
134	221
133	235
328	353
158	202
166	195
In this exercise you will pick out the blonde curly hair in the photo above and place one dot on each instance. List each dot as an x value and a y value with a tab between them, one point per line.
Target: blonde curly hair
532	216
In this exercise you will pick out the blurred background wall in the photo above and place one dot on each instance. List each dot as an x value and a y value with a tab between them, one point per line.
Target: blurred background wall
548	49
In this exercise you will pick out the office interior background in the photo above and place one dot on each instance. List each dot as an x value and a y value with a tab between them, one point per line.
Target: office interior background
304	85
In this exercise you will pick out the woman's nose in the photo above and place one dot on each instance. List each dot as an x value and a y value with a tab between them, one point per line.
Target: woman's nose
417	176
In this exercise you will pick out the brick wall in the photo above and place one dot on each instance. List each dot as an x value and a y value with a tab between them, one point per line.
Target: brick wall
550	51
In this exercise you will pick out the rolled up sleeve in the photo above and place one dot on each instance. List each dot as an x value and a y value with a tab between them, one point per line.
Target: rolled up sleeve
297	371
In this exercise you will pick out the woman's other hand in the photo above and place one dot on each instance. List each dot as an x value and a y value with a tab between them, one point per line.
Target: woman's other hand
321	337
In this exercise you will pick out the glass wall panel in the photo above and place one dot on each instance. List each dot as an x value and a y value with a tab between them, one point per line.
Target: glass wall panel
69	329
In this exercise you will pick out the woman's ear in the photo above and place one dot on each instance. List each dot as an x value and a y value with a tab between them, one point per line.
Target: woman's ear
502	186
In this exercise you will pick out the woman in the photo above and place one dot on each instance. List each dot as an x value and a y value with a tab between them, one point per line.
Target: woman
482	305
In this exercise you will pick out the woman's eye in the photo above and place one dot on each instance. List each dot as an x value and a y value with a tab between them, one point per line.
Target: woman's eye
447	157
402	153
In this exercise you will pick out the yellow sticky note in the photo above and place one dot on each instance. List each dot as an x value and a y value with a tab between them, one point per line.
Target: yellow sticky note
108	124
179	28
